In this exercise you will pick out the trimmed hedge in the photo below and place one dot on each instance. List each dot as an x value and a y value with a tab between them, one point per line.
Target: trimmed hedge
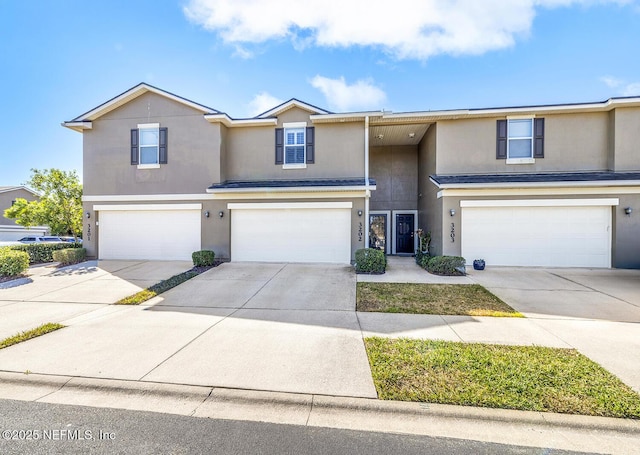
43	252
13	263
69	255
446	265
204	258
370	260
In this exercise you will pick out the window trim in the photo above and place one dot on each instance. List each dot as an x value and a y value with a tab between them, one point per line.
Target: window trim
522	160
148	126
290	126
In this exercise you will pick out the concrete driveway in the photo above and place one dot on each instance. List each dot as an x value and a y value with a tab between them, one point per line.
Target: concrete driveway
55	295
596	311
275	327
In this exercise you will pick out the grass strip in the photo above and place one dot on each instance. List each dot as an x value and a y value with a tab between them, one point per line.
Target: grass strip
444	299
530	378
158	288
28	334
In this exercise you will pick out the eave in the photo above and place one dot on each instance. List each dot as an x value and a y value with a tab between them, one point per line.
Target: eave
234	123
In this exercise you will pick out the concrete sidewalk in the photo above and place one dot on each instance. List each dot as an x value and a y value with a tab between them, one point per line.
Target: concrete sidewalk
547	431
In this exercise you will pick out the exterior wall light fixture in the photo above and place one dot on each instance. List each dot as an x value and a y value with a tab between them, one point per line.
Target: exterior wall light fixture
206	214
452	212
88	215
359	212
220	213
628	210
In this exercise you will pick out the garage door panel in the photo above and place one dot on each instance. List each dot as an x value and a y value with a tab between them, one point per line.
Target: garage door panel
291	235
538	236
149	234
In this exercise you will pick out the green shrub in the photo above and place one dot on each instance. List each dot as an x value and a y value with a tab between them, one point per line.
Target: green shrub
422	258
69	255
370	260
43	252
446	265
204	258
13	263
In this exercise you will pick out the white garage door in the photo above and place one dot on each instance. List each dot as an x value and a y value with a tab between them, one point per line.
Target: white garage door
162	234
314	232
551	236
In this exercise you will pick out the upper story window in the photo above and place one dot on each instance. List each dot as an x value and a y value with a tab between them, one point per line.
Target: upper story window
295	145
520	140
149	146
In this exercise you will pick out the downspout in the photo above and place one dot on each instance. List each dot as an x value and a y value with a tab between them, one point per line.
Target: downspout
367	192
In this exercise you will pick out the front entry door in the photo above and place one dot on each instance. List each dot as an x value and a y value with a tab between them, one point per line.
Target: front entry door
404	234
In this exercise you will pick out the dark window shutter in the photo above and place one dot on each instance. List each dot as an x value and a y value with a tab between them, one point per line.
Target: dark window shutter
310	144
538	138
162	146
279	145
134	146
501	143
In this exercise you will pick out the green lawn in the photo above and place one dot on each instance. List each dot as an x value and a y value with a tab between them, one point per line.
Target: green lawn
158	288
27	335
511	377
451	299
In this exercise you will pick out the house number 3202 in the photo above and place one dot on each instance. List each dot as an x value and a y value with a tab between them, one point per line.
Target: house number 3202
360	232
453	233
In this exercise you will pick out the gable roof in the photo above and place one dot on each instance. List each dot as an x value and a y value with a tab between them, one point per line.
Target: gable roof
83	121
6	189
293	102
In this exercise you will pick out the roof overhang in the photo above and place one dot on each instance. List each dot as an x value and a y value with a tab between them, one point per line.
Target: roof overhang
291	104
233	123
78	126
80	122
596	183
291	189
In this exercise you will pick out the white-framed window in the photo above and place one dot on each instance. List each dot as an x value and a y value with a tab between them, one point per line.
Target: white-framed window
149	144
294	145
520	139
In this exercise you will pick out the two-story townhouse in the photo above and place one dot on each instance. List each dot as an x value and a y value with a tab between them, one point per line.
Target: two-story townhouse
531	186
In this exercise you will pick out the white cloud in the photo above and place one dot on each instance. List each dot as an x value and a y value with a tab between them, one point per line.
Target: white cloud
611	82
263	102
632	89
243	53
622	87
363	94
408	29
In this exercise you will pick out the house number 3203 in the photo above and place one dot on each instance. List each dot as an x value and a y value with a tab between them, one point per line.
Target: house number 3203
360	232
453	233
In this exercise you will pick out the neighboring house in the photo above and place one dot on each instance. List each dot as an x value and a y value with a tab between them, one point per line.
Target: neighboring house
527	186
9	230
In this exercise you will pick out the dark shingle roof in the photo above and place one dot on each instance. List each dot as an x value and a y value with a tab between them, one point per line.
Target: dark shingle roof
536	178
310	183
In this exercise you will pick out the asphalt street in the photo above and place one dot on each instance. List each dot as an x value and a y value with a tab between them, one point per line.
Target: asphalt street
40	428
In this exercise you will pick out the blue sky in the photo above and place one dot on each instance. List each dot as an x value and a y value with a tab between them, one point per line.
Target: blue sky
60	59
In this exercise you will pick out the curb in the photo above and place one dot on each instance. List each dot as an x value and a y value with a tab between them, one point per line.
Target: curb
60	389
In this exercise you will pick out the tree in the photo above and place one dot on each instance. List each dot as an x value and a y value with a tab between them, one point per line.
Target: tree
59	206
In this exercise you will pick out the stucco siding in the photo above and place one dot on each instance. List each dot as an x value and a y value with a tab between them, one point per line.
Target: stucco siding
193	150
572	142
339	151
395	170
429	206
7	198
626	140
